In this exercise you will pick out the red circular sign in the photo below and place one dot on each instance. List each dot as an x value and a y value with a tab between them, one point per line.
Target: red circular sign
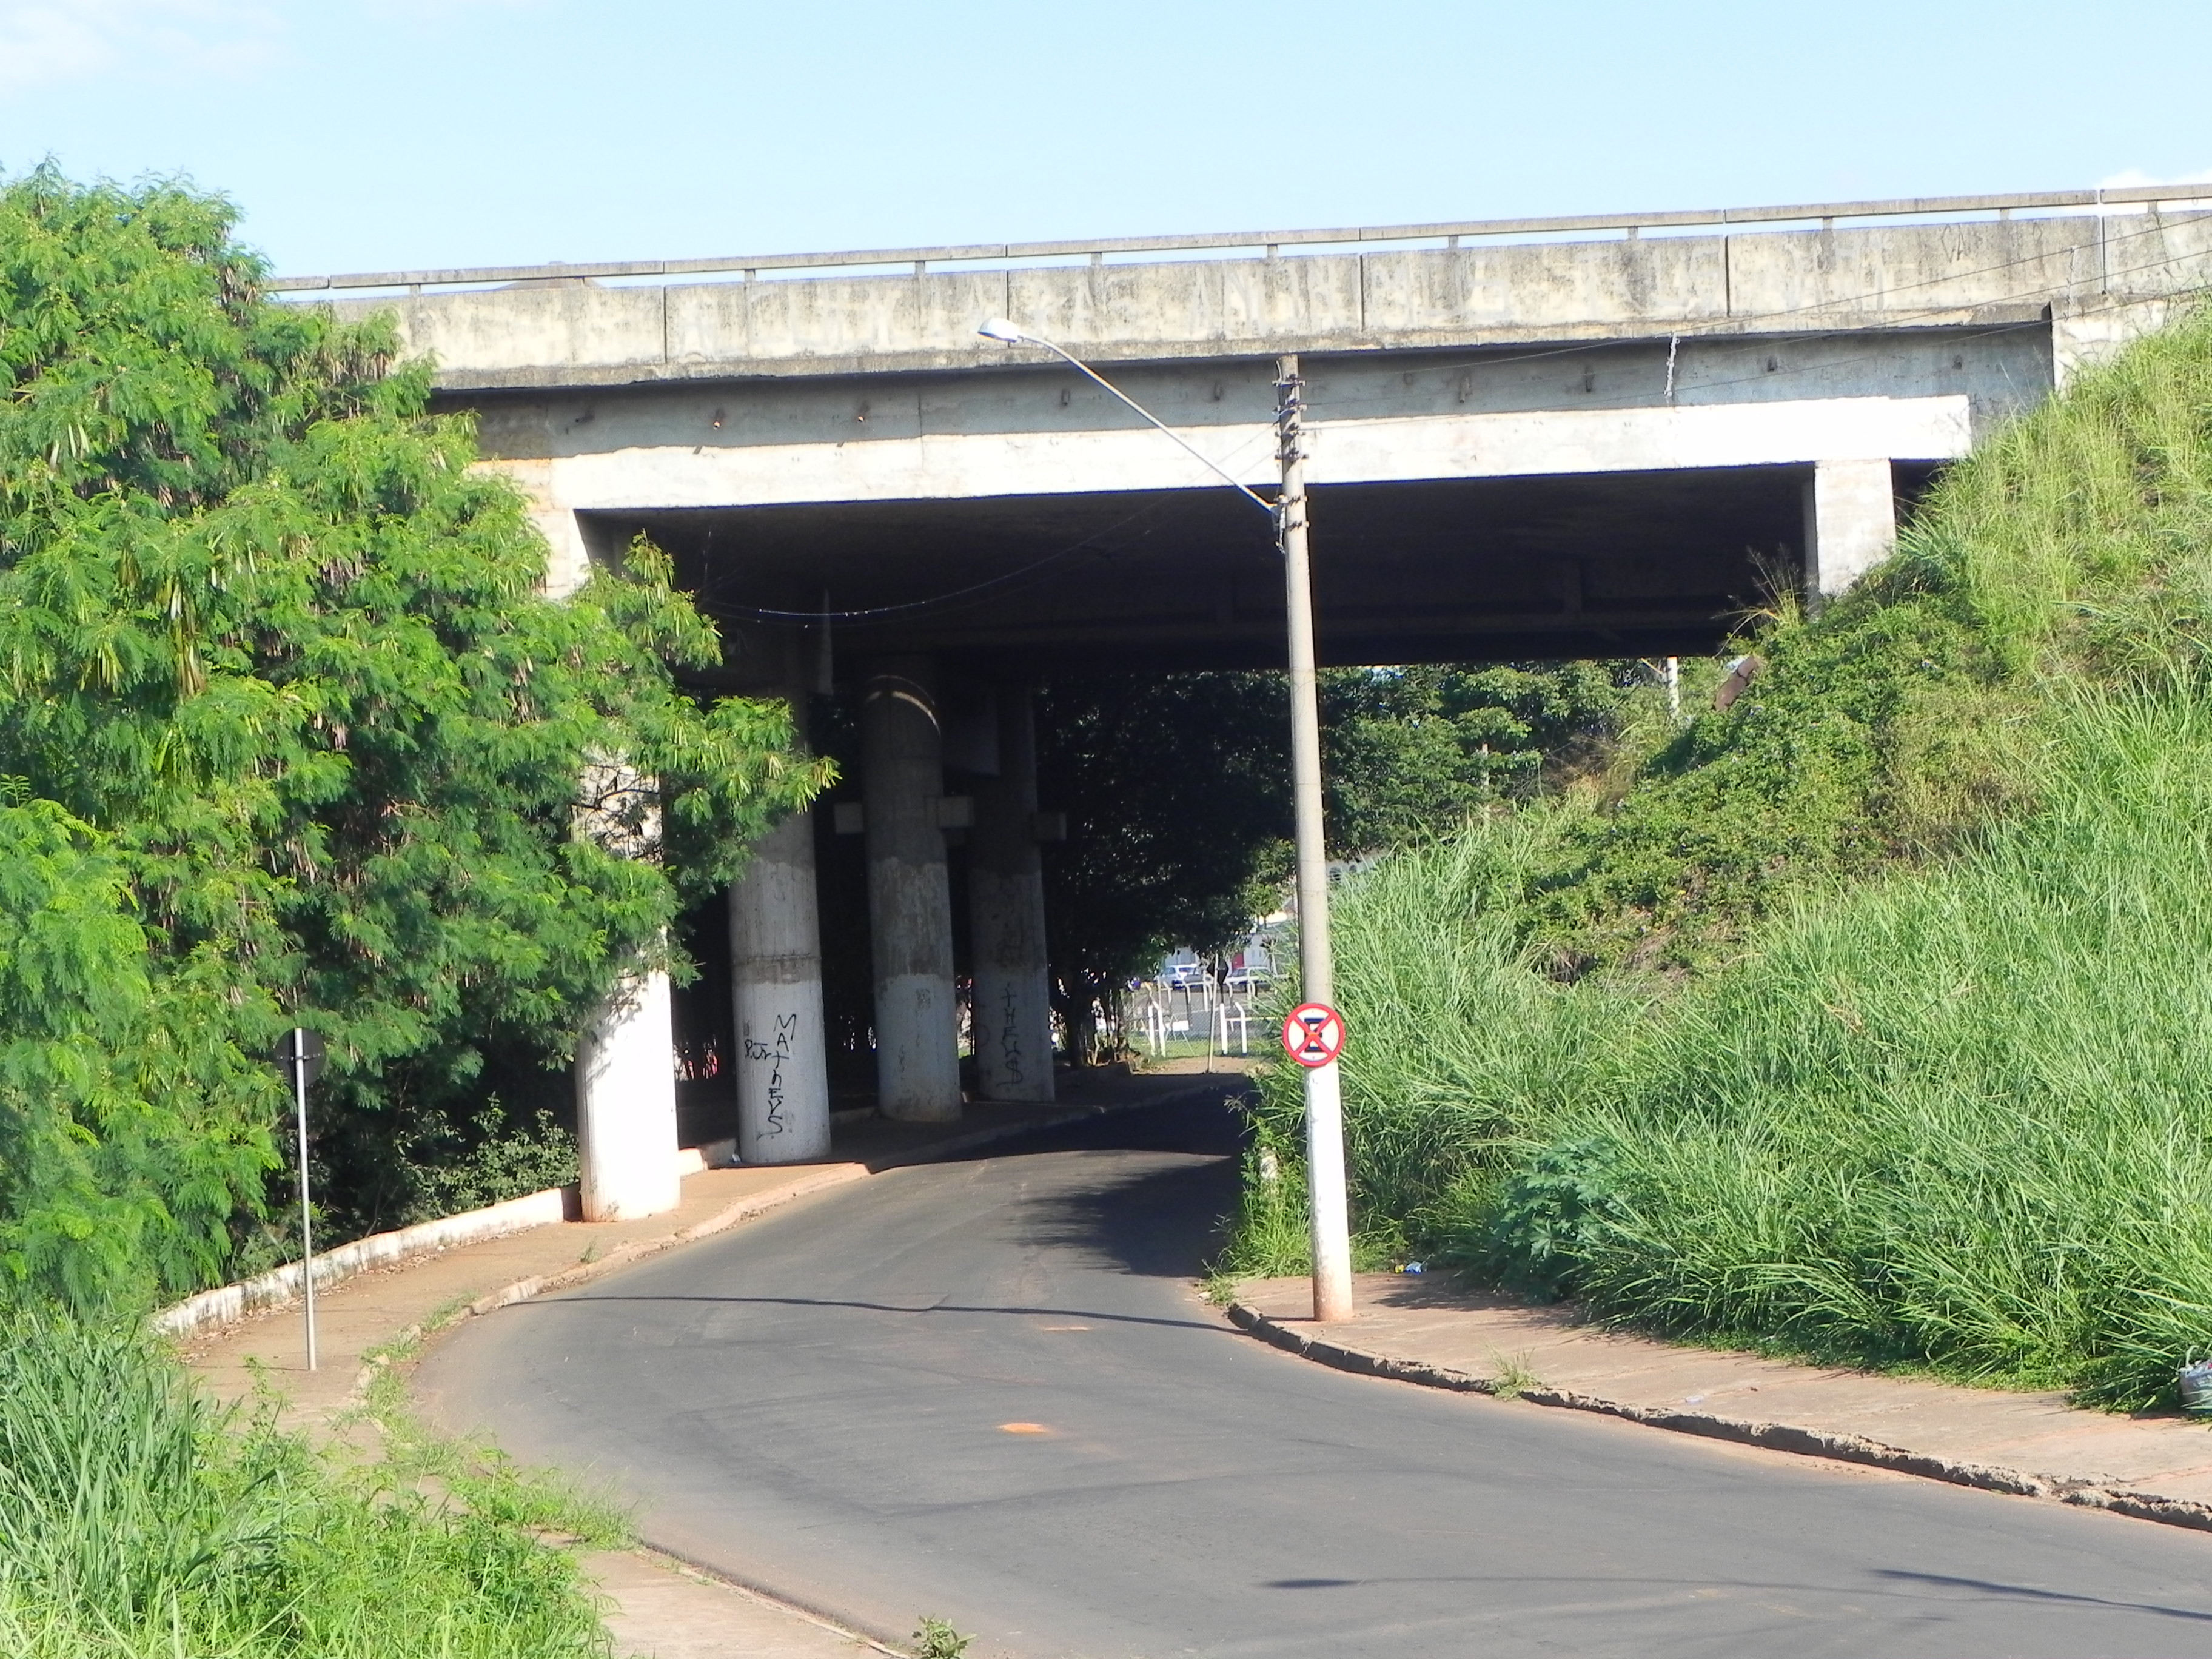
1313	1034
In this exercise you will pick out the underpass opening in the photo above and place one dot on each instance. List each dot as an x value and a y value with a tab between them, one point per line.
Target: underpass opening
1017	591
1446	570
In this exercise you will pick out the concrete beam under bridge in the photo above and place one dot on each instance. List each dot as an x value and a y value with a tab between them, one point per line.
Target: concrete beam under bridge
1626	564
1478	504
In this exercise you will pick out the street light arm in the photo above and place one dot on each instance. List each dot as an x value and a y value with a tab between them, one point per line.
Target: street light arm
997	330
1325	1179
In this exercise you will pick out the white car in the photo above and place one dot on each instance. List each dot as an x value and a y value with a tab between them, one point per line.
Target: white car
1182	972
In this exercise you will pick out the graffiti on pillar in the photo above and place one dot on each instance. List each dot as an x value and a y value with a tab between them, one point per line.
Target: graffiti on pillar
776	1054
1010	1035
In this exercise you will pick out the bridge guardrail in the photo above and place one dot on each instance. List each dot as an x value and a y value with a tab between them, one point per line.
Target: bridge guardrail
1451	233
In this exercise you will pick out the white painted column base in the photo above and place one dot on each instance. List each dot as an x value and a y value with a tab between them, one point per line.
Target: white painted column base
776	964
1332	1223
917	1052
909	896
1850	523
1012	1013
626	1104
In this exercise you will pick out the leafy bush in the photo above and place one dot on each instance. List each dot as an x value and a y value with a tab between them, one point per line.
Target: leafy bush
114	1177
276	654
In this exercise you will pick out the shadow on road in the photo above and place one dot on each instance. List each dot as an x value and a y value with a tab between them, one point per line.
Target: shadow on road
1160	1223
1026	1311
1992	1587
1206	1123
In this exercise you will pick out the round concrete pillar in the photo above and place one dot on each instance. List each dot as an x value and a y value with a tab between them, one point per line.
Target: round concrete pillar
909	898
626	1103
1012	1018
776	962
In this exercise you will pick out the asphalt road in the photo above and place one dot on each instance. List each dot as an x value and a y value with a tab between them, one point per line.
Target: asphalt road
987	1391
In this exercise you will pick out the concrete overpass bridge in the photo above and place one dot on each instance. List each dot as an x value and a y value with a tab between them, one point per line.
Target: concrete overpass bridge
1581	436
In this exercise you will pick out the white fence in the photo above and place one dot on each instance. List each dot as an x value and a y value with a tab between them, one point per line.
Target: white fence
1157	1016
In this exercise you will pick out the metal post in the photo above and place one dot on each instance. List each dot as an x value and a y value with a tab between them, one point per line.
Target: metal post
307	1225
1332	1243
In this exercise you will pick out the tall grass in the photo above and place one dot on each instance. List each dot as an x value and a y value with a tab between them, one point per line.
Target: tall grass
137	1520
1872	1018
1457	1046
1961	1117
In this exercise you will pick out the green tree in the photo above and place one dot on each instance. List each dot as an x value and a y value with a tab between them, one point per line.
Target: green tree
1414	752
275	650
1177	789
1178	803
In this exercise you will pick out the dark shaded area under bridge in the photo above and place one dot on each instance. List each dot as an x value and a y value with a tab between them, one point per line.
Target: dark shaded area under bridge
1588	565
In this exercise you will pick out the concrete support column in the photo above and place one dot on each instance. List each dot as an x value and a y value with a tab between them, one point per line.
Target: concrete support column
626	1103
909	896
1850	523
775	963
569	559
1012	1018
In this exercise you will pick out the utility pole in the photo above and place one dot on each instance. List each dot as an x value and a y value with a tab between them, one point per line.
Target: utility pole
1332	1243
1314	1033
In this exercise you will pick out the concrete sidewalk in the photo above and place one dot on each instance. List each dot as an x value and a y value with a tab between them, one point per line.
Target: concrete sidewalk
661	1608
1425	1330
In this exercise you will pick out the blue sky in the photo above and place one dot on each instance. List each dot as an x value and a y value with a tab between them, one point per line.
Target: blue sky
374	134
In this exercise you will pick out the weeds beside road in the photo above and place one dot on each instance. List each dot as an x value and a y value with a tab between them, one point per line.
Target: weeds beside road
138	1520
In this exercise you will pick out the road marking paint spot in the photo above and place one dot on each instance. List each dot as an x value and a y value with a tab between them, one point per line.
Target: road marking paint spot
1023	1428
1063	1328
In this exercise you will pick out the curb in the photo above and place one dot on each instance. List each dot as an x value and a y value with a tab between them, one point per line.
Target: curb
280	1287
1770	1437
819	1179
230	1304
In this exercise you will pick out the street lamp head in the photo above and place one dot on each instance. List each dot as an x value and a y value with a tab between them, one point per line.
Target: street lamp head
998	328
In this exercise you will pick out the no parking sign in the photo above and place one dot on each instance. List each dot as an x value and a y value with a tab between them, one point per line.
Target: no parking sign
1313	1034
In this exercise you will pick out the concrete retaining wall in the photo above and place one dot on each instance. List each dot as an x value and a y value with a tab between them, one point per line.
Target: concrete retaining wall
231	1302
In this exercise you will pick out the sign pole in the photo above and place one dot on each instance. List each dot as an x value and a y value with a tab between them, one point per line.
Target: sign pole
300	1057
306	1222
1332	1244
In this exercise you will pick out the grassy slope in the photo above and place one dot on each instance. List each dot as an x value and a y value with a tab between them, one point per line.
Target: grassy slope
1864	1018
